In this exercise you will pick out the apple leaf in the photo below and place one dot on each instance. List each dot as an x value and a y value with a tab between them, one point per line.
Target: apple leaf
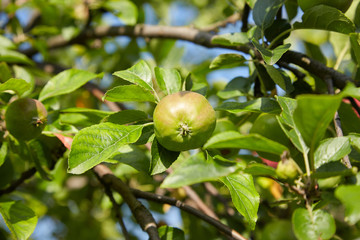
11	56
331	149
227	60
19	218
316	225
349	196
82	117
280	78
66	82
171	233
19	86
133	156
313	115
139	74
126	116
129	93
265	11
125	10
196	169
231	39
98	143
161	158
355	45
255	142
169	80
266	105
324	17
244	195
271	56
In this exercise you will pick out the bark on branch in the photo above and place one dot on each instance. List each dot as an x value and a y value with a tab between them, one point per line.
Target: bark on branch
192	35
139	211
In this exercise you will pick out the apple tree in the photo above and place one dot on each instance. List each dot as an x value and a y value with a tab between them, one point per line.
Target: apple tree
196	119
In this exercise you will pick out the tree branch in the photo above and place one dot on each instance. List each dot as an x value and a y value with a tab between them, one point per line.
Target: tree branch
24	176
139	211
192	35
174	202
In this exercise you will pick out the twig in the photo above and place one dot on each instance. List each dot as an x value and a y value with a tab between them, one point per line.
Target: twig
215	193
116	207
179	204
199	202
140	212
24	176
214	27
337	122
192	35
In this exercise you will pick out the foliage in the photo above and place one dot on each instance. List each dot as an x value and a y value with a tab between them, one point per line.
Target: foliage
284	84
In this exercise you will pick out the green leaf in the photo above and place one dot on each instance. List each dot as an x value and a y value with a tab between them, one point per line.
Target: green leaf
19	86
139	74
331	149
3	152
66	82
38	155
169	80
355	141
259	169
267	105
350	91
317	225
161	158
332	169
126	116
238	86
255	142
271	56
355	45
280	78
6	43
129	93
5	72
14	57
82	117
98	143
132	156
25	74
231	39
244	196
325	18
313	115
20	219
264	12
349	196
286	121
227	60
125	10
198	169
170	233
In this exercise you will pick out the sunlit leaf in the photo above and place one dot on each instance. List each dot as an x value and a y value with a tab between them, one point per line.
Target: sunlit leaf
161	158
66	82
331	149
169	80
197	169
19	86
244	196
98	143
264	12
315	225
255	142
139	74
230	39
129	93
227	60
19	218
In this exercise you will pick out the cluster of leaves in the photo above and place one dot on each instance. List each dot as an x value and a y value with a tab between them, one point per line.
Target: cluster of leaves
276	110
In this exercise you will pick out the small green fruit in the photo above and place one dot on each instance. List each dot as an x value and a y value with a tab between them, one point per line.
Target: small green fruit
330	182
287	170
183	121
25	118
